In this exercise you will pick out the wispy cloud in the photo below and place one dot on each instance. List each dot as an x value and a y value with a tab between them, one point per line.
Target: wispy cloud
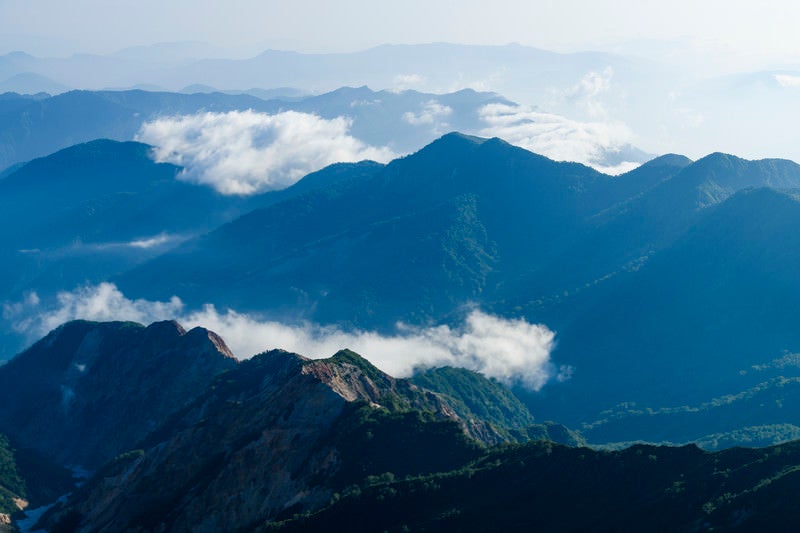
592	143
151	242
787	80
98	302
585	93
245	152
403	82
511	350
431	112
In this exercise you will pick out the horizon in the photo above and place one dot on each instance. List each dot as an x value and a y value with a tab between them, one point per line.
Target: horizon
750	34
682	78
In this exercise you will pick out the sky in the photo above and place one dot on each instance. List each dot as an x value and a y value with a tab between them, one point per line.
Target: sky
741	31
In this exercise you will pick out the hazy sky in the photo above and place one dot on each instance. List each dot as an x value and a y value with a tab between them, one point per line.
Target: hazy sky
765	29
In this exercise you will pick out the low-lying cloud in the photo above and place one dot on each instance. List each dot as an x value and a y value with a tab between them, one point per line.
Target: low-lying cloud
513	351
245	152
595	144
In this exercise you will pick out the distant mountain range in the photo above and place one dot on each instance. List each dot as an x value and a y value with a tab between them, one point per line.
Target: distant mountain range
37	125
436	67
668	106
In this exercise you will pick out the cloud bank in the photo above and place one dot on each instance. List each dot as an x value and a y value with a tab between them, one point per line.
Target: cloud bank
245	152
592	143
510	350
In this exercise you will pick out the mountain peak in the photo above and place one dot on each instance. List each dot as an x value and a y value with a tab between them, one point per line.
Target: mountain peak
720	158
205	336
352	377
99	387
718	175
166	327
668	160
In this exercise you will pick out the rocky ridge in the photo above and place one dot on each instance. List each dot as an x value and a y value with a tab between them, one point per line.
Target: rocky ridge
273	437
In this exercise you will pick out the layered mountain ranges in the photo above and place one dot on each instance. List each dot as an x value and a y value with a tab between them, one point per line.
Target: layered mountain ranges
669	101
670	288
37	125
666	285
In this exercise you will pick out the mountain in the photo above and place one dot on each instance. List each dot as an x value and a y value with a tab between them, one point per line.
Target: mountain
430	231
39	127
622	238
476	396
478	400
281	442
547	487
27	480
666	102
108	206
664	285
169	421
30	83
89	391
110	201
696	322
36	127
538	75
278	435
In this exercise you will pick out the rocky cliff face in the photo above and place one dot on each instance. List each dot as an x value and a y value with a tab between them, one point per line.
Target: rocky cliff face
89	391
264	441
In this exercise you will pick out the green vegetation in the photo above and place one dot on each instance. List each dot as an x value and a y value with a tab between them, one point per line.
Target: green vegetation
26	475
373	441
547	487
12	486
474	396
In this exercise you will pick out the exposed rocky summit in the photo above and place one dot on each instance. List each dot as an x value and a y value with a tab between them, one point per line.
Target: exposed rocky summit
277	435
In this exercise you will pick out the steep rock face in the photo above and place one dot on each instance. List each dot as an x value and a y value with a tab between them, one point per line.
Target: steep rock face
264	441
89	391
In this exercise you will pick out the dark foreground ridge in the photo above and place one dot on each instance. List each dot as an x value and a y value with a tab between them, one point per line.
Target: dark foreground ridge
282	442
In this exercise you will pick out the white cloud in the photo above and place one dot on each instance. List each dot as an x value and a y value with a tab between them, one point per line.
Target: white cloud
557	137
106	302
787	80
244	152
511	350
151	242
585	93
431	112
